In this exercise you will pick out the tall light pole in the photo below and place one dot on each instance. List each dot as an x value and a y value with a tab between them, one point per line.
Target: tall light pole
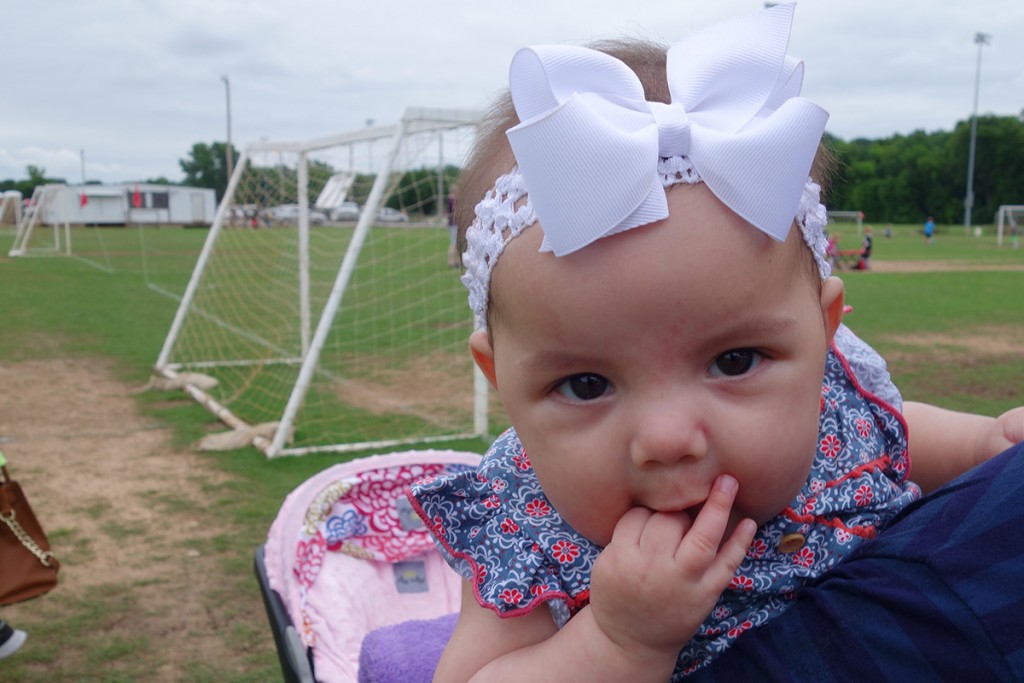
227	95
980	39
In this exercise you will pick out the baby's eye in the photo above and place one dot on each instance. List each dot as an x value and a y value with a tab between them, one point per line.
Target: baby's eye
736	362
583	387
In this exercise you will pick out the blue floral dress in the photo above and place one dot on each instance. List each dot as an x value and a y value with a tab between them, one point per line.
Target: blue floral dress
496	527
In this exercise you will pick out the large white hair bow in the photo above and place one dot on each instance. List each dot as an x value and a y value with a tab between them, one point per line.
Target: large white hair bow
588	143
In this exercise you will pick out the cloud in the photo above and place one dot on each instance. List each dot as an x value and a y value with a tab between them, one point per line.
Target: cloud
136	82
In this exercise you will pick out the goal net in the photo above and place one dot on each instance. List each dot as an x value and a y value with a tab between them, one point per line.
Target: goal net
46	228
1008	220
10	208
119	229
849	217
43	229
328	330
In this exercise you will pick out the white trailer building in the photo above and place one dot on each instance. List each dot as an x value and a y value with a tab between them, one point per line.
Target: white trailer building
131	204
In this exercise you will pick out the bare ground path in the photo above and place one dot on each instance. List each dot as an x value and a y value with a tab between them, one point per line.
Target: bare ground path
938	266
131	519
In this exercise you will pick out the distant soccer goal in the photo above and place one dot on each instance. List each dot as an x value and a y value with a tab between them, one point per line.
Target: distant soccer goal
856	217
43	228
323	303
112	228
10	207
1008	219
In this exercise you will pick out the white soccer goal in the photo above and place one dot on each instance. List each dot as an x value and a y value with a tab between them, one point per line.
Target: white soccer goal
1009	216
333	335
10	207
51	226
43	229
857	217
119	229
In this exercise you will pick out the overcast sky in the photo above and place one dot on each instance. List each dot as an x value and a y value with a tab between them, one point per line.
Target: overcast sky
132	84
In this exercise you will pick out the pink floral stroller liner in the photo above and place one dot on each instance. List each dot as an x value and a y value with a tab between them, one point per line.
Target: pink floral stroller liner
347	555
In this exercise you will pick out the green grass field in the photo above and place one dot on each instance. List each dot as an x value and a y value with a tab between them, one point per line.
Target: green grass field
952	337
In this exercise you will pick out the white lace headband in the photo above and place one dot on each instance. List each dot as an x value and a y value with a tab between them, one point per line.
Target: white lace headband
596	155
499	220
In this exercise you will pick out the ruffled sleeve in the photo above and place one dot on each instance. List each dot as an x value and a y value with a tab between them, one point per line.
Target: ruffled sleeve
496	528
868	367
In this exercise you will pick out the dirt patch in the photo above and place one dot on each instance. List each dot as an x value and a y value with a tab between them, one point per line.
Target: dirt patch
956	346
938	266
123	509
975	365
432	388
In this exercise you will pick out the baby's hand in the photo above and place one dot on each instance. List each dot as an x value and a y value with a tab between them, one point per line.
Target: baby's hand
1007	431
661	574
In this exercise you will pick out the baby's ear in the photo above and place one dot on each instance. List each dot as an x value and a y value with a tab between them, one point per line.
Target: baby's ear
483	355
832	302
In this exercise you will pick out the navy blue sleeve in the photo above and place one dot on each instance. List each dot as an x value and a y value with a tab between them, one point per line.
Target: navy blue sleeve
938	596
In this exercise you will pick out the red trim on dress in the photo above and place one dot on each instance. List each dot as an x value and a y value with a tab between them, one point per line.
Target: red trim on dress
573	603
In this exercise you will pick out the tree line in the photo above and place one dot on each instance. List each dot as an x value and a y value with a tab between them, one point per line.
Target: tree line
898	179
414	190
906	178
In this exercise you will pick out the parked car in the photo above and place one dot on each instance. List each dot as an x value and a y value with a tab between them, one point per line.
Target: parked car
289	213
346	211
389	215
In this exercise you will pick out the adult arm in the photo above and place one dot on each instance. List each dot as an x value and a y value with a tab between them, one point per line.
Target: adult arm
938	596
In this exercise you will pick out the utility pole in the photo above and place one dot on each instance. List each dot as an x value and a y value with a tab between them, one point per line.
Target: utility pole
980	39
227	95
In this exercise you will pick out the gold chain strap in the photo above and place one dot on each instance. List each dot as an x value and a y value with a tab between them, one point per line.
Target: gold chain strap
26	540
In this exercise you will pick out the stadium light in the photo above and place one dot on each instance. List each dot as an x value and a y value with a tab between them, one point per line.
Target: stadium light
981	40
227	95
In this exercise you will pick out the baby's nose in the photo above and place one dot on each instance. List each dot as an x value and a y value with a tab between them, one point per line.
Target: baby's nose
670	433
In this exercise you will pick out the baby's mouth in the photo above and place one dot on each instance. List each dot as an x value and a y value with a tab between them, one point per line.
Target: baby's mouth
694	510
672	508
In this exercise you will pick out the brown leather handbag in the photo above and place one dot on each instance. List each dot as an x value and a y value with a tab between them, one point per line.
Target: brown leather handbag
27	567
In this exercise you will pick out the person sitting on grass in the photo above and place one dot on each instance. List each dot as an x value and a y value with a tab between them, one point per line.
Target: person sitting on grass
864	263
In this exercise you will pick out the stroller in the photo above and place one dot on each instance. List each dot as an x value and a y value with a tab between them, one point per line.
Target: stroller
353	585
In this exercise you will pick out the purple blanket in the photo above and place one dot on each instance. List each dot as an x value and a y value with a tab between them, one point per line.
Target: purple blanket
405	653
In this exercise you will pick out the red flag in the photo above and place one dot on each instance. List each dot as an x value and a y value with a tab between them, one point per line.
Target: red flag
83	199
137	198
